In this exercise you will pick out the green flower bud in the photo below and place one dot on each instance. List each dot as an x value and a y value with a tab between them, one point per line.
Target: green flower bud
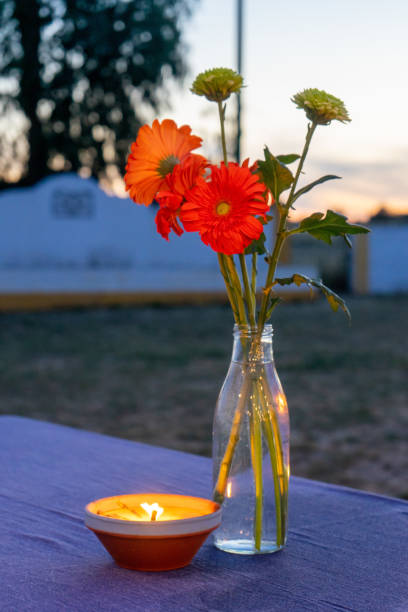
217	84
321	107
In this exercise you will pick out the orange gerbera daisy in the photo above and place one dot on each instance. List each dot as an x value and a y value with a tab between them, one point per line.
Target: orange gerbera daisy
154	154
183	178
223	210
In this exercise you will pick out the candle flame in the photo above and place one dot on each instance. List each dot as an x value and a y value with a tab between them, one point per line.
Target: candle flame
153	510
229	489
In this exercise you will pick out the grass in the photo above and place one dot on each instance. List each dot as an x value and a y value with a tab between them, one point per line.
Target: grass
153	375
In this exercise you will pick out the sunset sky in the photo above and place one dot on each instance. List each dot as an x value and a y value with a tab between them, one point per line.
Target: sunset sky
356	51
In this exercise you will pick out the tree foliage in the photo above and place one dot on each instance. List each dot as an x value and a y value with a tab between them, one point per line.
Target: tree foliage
74	76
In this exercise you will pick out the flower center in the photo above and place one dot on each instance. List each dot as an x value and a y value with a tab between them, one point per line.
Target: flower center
222	208
167	164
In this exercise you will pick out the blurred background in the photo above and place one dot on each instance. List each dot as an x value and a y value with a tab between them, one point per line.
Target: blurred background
107	327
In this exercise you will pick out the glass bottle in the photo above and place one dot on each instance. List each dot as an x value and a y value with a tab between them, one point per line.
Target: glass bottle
251	449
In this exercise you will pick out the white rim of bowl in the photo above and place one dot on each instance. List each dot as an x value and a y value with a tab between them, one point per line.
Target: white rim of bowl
191	525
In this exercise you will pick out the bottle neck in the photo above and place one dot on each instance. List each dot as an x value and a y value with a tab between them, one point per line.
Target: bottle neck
252	347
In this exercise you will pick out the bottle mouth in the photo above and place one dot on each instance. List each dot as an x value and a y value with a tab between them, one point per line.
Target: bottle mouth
249	332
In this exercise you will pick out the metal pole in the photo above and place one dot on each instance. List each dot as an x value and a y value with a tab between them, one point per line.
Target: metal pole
240	9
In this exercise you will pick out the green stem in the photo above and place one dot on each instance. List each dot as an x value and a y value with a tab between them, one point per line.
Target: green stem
283	480
283	471
234	290
273	262
274	442
225	467
253	275
236	284
259	401
249	296
226	262
281	233
310	131
230	289
256	452
221	114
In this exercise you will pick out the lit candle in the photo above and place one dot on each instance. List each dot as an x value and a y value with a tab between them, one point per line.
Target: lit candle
152	532
153	510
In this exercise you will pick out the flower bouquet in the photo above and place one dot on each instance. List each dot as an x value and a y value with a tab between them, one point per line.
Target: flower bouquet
231	205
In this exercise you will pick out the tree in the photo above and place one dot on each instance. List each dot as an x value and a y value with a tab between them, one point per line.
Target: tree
75	73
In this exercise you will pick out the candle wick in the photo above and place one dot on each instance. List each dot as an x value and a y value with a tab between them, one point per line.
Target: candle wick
154	515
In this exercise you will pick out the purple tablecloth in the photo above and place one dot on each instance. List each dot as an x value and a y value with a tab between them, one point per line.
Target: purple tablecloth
347	549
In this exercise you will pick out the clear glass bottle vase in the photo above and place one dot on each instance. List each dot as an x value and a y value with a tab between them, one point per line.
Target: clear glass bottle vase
251	449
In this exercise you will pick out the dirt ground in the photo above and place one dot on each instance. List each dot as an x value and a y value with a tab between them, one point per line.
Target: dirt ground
153	375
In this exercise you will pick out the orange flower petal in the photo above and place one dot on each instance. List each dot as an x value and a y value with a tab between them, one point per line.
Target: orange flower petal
153	146
226	229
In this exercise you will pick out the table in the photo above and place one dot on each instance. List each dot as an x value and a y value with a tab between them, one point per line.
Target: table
347	550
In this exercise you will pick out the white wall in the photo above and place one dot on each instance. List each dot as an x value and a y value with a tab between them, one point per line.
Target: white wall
388	258
66	234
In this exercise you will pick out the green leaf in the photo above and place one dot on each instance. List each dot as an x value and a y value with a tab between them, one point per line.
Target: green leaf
333	224
275	175
274	301
288	159
322	179
334	300
257	246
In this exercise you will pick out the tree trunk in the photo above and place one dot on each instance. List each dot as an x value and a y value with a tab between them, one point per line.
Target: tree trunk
27	14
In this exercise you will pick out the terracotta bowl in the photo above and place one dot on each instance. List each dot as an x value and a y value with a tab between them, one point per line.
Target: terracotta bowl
165	544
